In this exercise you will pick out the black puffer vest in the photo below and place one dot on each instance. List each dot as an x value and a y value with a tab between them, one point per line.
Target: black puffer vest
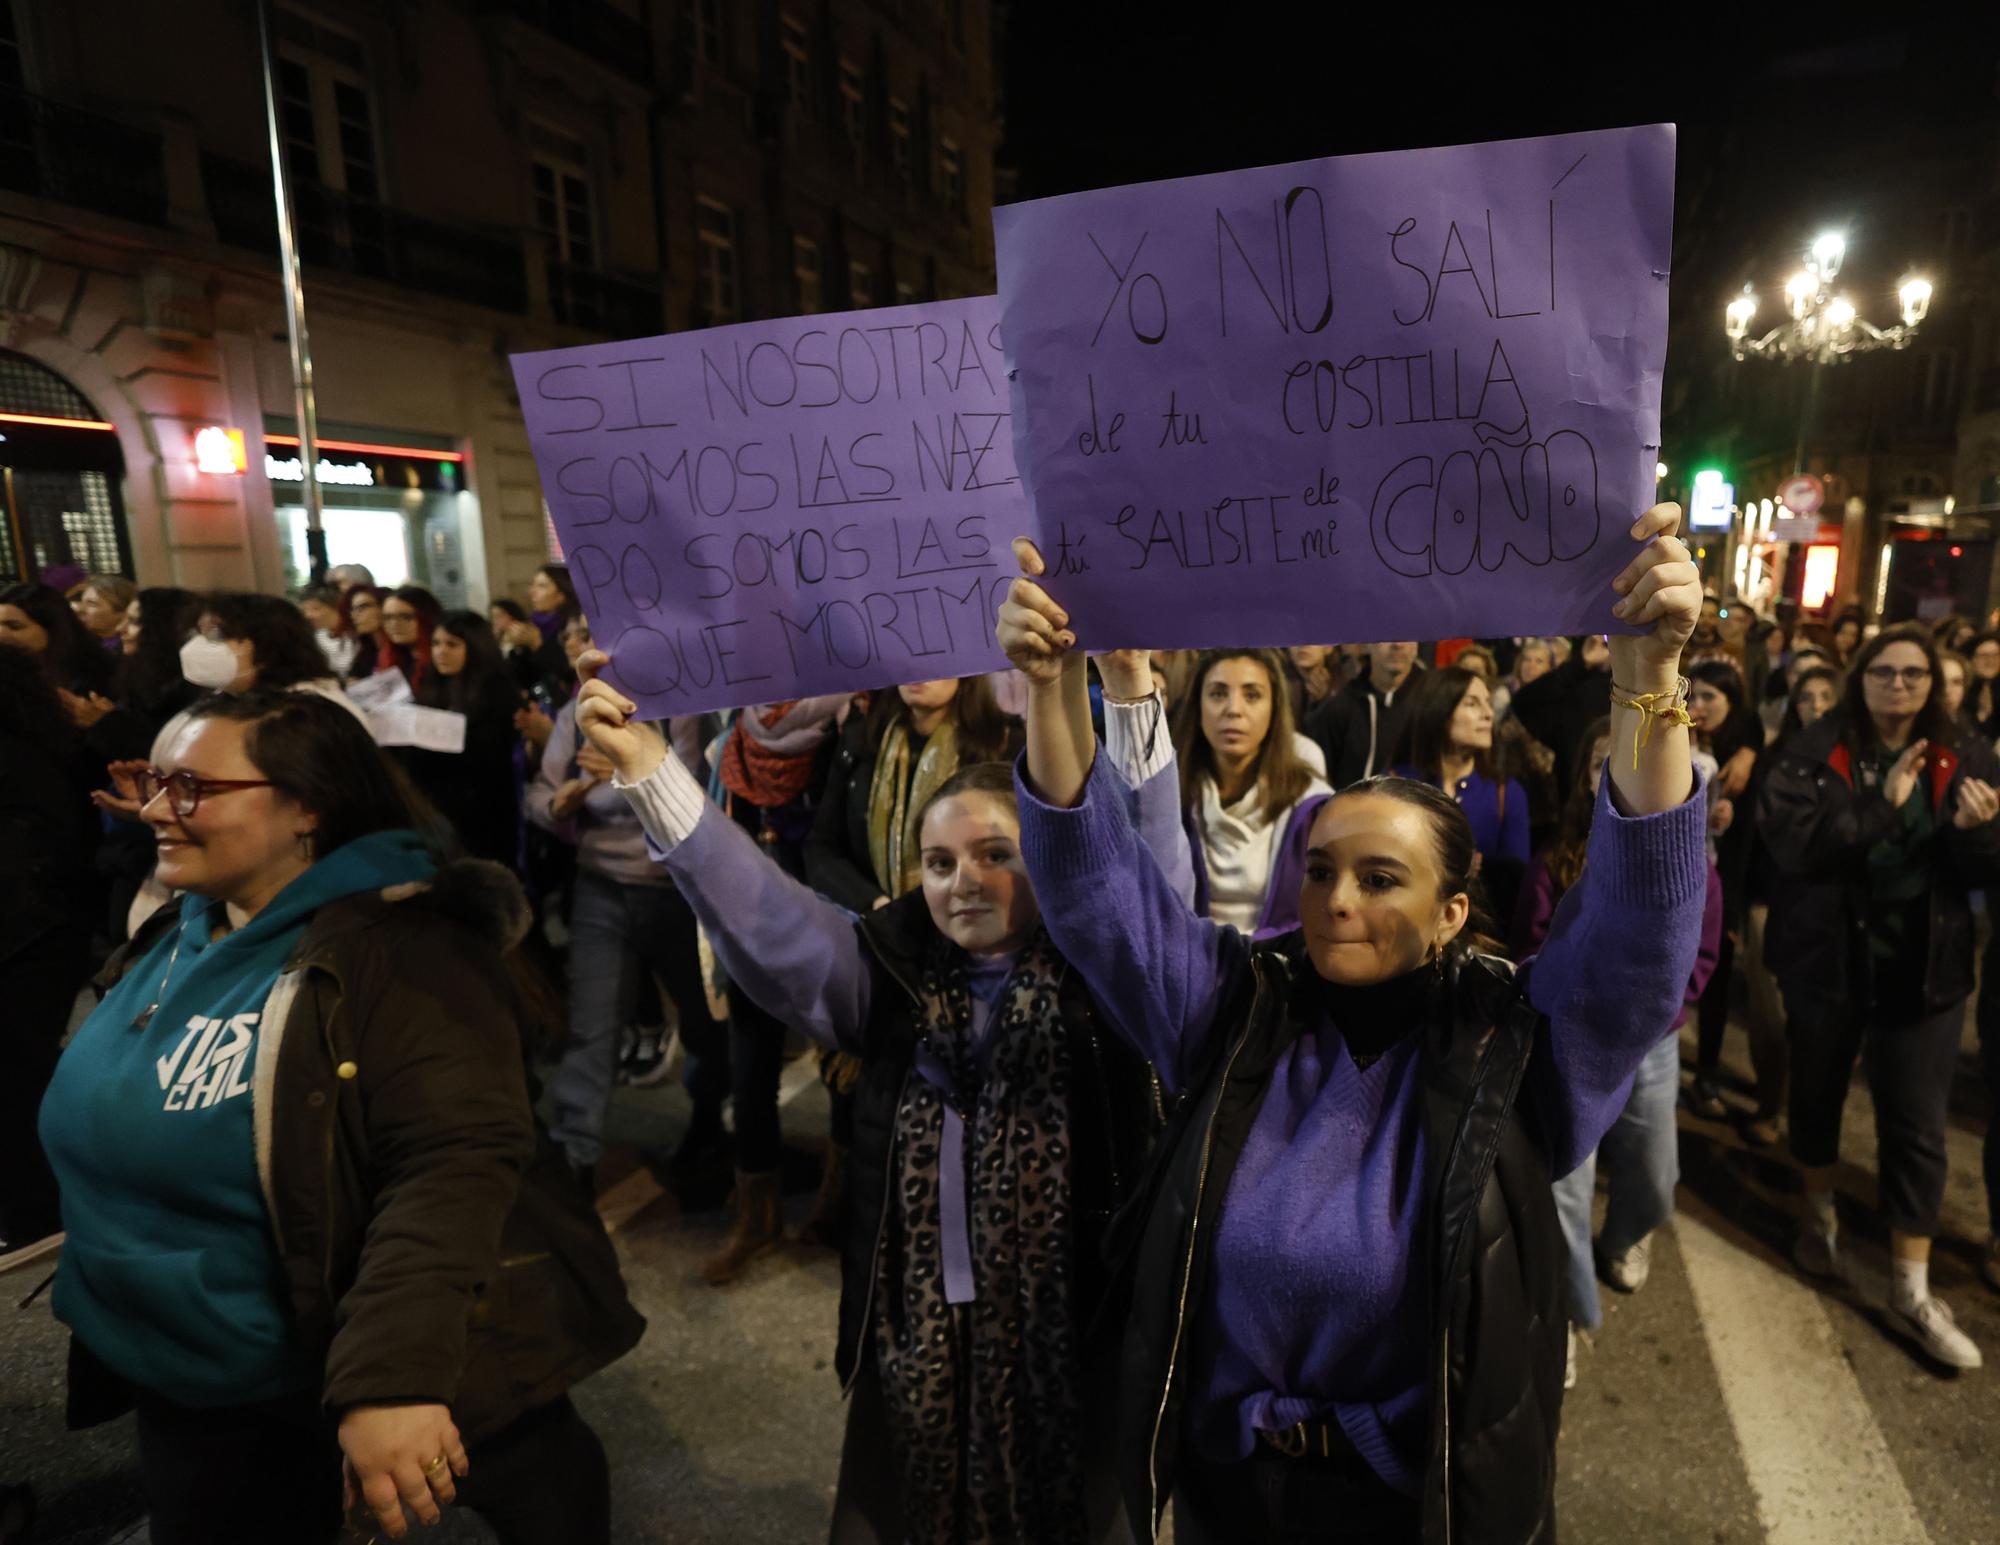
1495	1248
1114	1116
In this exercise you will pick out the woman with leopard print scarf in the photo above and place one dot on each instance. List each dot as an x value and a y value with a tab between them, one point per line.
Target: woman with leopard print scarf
996	1129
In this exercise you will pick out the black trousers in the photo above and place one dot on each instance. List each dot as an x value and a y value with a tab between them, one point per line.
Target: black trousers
1269	1499
1909	1068
252	1475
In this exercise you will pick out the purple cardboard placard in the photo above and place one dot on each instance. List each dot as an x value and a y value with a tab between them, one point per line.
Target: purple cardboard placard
779	509
1380	396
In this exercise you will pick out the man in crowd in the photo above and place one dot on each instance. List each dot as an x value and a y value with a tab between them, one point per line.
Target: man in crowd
1358	727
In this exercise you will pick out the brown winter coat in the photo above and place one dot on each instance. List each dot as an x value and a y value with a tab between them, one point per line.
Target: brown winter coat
434	1244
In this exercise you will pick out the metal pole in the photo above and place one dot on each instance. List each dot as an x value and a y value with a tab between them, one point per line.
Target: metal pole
1813	368
295	308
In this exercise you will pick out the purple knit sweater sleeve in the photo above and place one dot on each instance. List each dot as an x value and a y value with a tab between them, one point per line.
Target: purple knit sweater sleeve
1158	971
1612	972
797	955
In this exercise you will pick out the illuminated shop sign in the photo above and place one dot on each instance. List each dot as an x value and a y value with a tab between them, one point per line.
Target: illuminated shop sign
348	474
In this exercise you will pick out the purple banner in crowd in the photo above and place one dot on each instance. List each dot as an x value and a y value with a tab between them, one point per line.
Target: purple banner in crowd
779	509
1413	395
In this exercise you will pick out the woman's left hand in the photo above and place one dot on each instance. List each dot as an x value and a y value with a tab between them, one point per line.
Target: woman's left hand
1978	803
1661	587
401	1456
85	711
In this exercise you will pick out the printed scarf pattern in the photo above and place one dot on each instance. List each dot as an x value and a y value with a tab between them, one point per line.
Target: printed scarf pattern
896	798
985	1402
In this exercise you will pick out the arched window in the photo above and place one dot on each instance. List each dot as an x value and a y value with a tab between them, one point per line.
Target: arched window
60	476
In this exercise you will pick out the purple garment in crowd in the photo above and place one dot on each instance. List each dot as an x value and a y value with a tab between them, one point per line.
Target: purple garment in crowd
1315	1308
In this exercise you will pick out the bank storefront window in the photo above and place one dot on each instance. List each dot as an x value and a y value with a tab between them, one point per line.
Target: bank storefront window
390	499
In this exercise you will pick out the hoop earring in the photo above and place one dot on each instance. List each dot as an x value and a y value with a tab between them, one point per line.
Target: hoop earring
306	846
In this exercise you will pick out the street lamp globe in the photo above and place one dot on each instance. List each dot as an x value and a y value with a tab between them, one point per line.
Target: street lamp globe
1740	311
1915	294
1840	313
1827	253
1800	290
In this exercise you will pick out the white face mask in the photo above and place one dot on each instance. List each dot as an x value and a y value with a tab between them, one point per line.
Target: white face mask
208	662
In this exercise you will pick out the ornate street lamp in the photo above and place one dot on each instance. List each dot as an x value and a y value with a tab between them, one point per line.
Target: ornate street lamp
1824	328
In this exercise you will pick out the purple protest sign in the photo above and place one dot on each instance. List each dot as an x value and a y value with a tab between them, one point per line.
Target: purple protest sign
780	509
1370	397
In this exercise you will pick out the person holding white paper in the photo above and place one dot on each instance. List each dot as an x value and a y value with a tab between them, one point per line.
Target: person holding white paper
474	788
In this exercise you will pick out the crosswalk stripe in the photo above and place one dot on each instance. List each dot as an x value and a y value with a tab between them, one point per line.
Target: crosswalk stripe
1817	1461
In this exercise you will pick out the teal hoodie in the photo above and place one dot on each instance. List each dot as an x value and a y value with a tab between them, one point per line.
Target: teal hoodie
170	1274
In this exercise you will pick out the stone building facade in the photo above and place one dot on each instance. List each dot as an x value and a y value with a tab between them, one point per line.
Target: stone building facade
473	178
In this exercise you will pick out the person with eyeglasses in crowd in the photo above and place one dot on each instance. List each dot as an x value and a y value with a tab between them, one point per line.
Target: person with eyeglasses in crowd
409	617
360	614
329	1258
1880	818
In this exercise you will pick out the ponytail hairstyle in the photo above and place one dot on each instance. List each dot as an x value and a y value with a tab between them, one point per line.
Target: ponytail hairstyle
1282	775
1454	850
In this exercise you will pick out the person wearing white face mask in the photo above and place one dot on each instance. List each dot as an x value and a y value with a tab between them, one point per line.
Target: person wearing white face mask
242	641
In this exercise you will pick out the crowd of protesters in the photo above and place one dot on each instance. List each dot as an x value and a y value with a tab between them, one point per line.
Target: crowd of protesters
360	1012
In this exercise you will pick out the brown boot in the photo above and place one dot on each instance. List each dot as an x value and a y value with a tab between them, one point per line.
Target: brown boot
759	1225
829	1215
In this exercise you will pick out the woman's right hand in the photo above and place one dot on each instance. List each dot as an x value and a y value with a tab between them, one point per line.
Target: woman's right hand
604	715
1902	780
1032	630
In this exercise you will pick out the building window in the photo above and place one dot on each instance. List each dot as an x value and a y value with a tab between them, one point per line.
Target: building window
906	293
951	175
327	117
797	45
860	285
808	275
899	138
853	120
716	282
560	168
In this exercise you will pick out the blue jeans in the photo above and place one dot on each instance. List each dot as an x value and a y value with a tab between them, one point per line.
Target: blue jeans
618	933
1641	1156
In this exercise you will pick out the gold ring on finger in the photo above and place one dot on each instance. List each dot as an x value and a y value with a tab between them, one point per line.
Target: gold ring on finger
434	1466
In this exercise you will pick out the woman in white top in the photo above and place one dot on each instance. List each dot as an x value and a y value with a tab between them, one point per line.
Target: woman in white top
1243	782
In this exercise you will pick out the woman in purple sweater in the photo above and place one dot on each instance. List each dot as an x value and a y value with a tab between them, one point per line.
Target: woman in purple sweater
996	1129
1345	1318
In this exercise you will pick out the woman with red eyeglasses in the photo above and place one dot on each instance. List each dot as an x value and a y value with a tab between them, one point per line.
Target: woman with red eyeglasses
1879	820
315	1236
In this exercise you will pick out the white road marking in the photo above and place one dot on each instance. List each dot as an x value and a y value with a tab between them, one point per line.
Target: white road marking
1816	1459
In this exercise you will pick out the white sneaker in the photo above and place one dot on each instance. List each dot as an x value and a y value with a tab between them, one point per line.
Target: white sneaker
1627	1270
1569	1361
1929	1323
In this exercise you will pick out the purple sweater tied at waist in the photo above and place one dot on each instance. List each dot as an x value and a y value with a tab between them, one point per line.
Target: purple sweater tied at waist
1314	1309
